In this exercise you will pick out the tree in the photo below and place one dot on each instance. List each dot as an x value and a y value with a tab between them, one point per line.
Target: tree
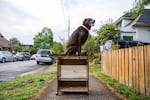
58	48
107	32
16	45
32	50
90	46
138	7
44	39
62	40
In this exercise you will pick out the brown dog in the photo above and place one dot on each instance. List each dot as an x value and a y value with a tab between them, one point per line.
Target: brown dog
79	37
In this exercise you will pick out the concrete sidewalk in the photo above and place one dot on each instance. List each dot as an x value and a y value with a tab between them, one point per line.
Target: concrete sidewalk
97	92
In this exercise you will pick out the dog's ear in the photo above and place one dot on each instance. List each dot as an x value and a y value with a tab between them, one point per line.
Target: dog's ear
85	22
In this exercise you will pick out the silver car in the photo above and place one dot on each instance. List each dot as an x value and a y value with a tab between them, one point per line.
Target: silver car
42	56
6	56
23	56
33	57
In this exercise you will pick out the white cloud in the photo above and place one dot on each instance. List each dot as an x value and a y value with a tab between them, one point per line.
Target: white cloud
25	18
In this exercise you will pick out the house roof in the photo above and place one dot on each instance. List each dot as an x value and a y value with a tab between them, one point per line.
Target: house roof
144	19
127	16
128	28
4	42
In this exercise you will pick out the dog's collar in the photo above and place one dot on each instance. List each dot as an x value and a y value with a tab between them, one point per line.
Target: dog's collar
85	27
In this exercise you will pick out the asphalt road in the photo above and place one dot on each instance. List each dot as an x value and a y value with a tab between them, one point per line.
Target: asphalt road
10	70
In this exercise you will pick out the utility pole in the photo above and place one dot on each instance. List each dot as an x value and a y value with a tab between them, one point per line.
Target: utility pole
68	27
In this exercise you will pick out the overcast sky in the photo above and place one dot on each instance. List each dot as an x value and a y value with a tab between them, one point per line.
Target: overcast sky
23	19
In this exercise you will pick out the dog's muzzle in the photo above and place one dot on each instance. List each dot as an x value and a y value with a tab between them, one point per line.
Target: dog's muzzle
92	23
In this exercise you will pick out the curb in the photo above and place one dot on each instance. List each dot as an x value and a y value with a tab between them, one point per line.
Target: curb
121	97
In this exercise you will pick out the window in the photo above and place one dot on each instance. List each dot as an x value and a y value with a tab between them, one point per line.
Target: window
128	38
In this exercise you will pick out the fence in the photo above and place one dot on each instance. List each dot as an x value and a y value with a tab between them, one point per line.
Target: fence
130	66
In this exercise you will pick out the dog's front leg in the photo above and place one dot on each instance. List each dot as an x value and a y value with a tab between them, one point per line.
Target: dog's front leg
79	51
79	47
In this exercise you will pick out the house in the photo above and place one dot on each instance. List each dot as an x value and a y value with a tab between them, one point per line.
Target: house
135	29
26	46
4	43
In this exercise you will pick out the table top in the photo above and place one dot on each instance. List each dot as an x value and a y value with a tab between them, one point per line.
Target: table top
63	56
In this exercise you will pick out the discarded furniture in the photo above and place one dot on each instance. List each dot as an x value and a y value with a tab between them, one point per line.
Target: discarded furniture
72	74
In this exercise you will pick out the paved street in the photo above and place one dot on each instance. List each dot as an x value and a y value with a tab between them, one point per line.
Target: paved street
10	70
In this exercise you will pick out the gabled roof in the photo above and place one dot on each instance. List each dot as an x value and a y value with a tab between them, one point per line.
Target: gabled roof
144	19
127	16
4	42
128	28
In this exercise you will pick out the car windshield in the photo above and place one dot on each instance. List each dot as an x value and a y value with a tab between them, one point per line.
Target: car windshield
21	53
44	52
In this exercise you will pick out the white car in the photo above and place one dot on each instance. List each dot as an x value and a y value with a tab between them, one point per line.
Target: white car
6	56
43	56
33	57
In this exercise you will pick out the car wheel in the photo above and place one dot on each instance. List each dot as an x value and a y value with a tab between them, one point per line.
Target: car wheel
38	62
49	63
3	60
14	60
23	59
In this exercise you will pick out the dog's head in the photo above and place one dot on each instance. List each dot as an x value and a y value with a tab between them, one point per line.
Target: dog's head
88	22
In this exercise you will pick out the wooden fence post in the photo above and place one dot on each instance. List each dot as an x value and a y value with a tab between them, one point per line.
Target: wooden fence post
147	68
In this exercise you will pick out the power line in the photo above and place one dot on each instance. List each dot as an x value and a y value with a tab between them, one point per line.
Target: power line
63	12
68	27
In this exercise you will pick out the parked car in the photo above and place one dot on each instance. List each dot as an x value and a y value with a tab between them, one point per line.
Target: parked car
42	56
122	44
33	57
23	56
6	56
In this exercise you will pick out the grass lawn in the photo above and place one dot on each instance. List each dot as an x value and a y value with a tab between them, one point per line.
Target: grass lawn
131	94
23	88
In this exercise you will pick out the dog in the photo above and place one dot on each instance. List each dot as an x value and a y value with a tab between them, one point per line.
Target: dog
79	37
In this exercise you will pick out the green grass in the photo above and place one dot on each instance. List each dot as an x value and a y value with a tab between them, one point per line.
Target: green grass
54	64
20	89
130	93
